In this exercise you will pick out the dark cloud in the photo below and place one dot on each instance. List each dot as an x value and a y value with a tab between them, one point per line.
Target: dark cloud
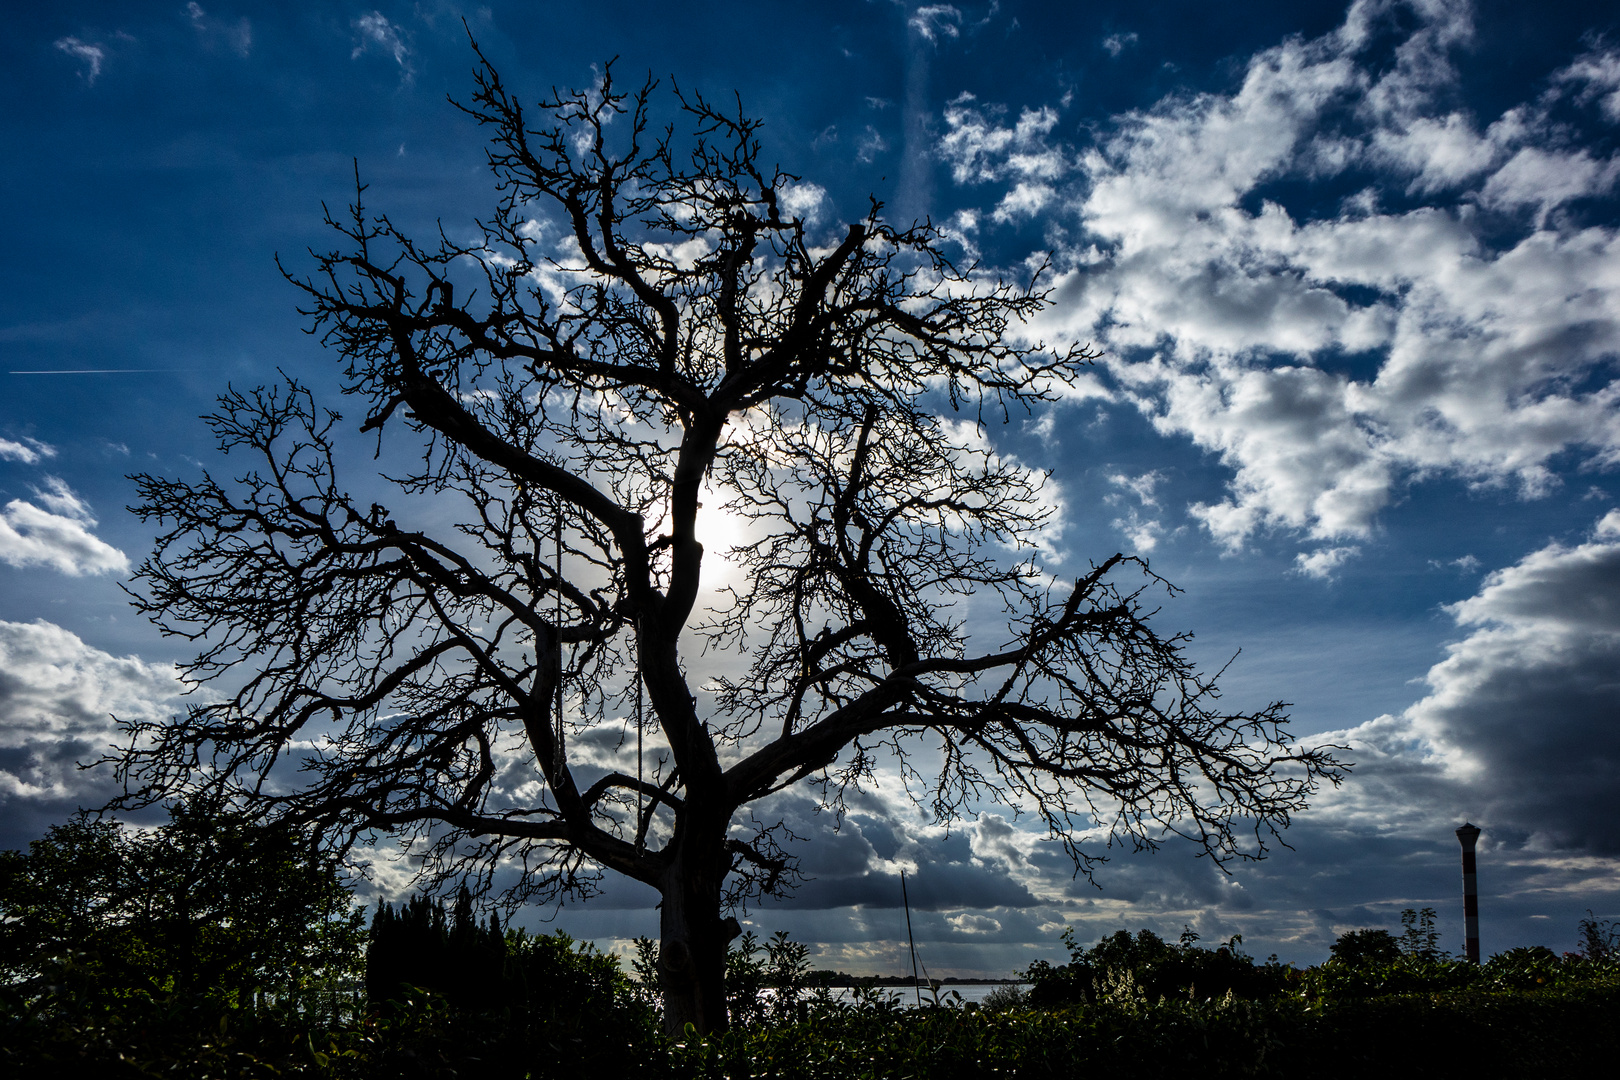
856	861
1529	703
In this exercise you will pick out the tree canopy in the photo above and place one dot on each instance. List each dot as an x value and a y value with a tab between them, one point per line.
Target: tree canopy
206	903
654	334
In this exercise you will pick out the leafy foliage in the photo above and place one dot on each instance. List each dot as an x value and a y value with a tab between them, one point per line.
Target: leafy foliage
1122	968
580	1016
207	903
1005	998
1600	938
1475	1036
783	971
1358	947
1419	938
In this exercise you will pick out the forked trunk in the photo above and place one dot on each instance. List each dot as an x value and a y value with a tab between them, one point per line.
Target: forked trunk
692	949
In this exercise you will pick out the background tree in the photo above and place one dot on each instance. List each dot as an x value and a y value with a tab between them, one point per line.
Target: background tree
1356	948
652	330
206	903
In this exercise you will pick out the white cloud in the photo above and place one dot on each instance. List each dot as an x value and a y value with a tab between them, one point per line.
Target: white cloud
1024	201
871	144
373	30
934	21
1142	531
89	54
1546	179
55	532
1118	43
1142	486
28	451
58	697
992	839
803	200
979	149
1322	562
1327	361
1599	72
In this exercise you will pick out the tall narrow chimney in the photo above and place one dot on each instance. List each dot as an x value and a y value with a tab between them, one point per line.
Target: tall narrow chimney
1467	836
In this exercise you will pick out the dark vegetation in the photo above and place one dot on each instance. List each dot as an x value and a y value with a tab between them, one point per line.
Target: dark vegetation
216	948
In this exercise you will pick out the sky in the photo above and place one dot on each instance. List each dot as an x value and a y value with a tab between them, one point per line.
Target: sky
1354	274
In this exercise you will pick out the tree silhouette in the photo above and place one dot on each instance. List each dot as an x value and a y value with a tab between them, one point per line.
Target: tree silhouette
208	902
652	332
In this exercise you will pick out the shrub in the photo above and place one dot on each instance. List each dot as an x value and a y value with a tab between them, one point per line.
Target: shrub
1359	947
1121	966
1005	998
776	987
1600	938
1419	939
208	903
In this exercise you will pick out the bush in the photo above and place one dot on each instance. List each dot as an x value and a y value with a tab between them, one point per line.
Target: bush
775	987
1121	967
207	904
555	1008
1005	998
1474	1036
1361	947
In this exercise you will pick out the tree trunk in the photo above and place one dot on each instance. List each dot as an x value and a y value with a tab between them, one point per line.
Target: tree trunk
692	950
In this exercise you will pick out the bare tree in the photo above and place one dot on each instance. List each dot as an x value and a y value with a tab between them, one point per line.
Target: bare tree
651	330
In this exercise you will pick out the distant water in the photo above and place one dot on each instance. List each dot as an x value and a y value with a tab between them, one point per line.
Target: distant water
970	992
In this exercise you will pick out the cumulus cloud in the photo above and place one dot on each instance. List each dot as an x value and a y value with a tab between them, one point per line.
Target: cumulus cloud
1142	487
55	531
979	148
993	840
58	697
803	200
1322	562
1544	180
1525	706
1142	531
1329	358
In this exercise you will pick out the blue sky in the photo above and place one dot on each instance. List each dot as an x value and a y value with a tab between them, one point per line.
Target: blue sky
1355	272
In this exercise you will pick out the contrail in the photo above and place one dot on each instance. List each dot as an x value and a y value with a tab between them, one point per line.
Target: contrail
101	371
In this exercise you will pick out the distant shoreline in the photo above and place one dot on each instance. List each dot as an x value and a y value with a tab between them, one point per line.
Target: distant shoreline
839	980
